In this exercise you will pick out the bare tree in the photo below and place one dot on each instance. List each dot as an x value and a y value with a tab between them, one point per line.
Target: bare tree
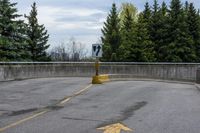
59	53
70	51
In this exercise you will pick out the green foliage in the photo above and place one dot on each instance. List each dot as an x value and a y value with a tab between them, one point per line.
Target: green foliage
143	49
111	34
37	37
193	24
180	47
20	41
159	33
131	9
13	41
158	30
128	36
114	57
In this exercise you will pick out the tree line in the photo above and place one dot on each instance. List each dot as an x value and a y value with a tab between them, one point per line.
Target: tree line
20	41
159	33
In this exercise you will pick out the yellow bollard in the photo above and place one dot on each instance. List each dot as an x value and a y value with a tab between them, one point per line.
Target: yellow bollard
99	79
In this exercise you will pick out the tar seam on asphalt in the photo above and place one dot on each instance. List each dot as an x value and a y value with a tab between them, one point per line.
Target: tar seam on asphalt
81	119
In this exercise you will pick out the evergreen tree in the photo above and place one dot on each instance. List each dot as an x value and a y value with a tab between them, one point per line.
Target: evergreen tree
37	37
194	28
128	37
12	34
180	44
147	13
144	51
155	26
186	6
111	35
158	31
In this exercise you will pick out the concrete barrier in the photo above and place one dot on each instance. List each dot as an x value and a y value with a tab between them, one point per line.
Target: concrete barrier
166	71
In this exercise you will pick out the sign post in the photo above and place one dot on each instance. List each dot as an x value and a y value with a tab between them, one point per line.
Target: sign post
97	66
97	53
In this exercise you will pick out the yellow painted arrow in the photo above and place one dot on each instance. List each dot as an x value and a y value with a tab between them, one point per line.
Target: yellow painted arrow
114	128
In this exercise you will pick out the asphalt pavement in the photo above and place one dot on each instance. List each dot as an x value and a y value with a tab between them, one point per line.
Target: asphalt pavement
73	105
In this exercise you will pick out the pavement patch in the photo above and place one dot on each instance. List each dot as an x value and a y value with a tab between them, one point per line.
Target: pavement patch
128	112
125	114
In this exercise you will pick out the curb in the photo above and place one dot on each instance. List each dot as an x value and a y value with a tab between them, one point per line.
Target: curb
197	86
156	80
129	77
110	77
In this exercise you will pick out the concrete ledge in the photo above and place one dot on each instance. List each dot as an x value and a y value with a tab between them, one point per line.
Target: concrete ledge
164	71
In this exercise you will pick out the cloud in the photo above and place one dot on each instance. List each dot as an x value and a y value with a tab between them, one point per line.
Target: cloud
63	19
96	17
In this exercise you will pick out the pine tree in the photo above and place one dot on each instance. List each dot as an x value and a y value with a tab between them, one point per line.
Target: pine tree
12	34
37	37
180	44
147	14
143	48
144	51
155	26
111	35
194	28
186	6
128	37
158	31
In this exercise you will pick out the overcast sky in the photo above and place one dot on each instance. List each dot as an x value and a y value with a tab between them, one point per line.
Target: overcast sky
81	19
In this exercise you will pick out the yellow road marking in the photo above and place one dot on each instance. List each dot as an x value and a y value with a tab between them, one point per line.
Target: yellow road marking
115	128
64	101
22	121
84	89
75	94
45	111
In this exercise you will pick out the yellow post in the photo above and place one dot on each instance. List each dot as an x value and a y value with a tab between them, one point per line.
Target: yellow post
96	78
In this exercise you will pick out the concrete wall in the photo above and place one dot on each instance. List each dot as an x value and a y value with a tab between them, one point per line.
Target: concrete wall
168	71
